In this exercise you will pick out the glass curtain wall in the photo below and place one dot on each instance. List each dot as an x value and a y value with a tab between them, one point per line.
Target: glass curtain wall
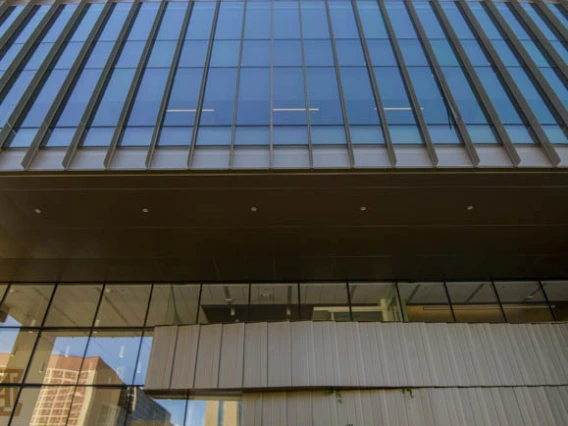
274	73
77	353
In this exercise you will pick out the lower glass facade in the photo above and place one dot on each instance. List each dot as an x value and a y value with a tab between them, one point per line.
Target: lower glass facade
78	353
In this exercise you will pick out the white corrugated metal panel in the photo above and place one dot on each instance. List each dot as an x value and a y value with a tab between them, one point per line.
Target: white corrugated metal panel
256	358
185	357
162	358
232	356
526	406
208	356
330	354
279	355
303	354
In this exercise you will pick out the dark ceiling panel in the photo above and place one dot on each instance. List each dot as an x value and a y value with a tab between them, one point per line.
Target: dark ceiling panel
307	227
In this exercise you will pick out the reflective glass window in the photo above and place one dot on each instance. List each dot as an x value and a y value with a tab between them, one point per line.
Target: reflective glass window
37	405
457	20
412	53
381	53
60	136
144	21
400	20
35	61
87	23
324	302
130	54
115	22
343	20
475	302
99	55
200	22
372	20
532	96
79	98
193	53
286	20
214	135
136	136
523	302
254	97
111	357
256	53
429	95
73	305
540	23
289	102
175	136
56	27
25	305
274	302
557	294
474	53
173	304
424	302
396	103
358	94
149	97
223	303
512	21
225	53
290	135
172	407
444	53
484	20
182	103
252	135
374	302
219	99
287	53
113	99
25	31
556	8
143	357
464	96
314	20
258	20
499	97
58	357
217	412
323	95
171	23
350	53
230	21
429	20
7	22
123	305
318	53
98	136
162	54
16	348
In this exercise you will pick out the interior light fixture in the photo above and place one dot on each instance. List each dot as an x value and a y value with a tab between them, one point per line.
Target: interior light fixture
233	312
469	208
363	208
38	211
254	209
145	210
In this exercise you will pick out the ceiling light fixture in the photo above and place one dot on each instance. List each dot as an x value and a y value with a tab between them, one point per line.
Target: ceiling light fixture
145	210
469	208
363	208
38	211
253	209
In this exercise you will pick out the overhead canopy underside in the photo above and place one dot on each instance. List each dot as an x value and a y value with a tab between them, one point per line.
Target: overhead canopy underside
200	227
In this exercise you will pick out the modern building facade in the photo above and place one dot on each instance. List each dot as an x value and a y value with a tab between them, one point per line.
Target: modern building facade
303	213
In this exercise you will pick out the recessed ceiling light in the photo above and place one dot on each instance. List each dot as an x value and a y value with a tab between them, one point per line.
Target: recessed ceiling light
253	209
469	208
38	211
363	208
145	210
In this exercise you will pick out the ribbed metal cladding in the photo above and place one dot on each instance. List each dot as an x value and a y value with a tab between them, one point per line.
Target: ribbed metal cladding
526	406
289	355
